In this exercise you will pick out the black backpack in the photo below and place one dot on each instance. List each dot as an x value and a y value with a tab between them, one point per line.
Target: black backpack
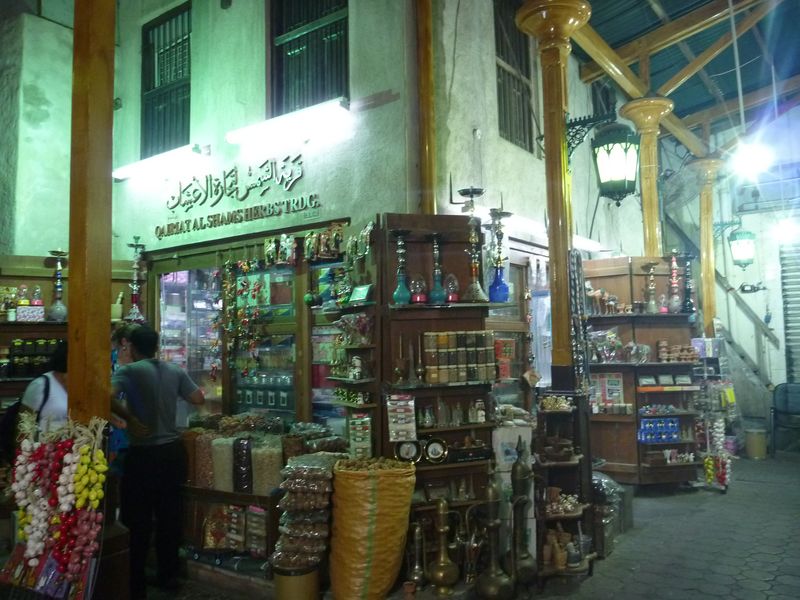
8	424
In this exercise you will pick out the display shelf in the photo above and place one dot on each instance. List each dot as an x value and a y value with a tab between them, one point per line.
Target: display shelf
613	418
673	443
673	465
576	514
585	566
651	389
433	386
574	462
349	405
641	317
452	305
681	413
647	365
356	347
351	381
466	427
557	412
341	309
467	464
453	504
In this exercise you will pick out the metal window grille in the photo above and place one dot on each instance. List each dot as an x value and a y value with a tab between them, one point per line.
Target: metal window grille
514	81
166	81
310	53
790	291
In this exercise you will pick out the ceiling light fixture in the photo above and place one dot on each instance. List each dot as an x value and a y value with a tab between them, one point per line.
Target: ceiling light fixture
325	123
192	157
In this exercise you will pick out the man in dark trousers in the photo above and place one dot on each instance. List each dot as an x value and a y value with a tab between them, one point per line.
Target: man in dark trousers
155	466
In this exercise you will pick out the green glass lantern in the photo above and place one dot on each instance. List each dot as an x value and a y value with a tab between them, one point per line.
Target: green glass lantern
616	157
743	247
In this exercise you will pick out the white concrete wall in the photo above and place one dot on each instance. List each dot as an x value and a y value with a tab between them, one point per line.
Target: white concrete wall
367	174
10	80
41	220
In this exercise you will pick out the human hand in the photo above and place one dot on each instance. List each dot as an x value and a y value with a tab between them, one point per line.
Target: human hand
137	428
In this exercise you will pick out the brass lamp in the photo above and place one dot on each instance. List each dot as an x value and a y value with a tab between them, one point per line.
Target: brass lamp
615	149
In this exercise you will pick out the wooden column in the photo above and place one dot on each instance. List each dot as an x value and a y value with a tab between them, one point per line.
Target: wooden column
90	210
427	133
646	114
552	22
707	170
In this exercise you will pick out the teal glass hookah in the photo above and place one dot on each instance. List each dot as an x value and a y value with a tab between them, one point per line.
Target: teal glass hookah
401	294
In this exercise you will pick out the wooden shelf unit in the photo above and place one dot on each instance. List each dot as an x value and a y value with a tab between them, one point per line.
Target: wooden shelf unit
402	335
614	436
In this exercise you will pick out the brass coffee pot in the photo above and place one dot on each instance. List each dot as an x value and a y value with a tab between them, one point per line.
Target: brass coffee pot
521	481
493	583
442	572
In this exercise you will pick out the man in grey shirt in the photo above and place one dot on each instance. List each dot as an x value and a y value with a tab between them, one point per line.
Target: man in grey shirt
155	466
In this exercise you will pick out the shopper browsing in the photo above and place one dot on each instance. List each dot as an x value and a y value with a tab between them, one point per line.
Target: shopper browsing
155	466
47	395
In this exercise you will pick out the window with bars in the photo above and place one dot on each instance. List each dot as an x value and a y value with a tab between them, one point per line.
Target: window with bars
166	81
515	89
309	53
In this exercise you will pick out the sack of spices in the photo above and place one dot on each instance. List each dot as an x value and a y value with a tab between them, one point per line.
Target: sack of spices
222	459
267	459
204	462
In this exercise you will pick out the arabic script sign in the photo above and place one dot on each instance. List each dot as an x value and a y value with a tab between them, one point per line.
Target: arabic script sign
237	184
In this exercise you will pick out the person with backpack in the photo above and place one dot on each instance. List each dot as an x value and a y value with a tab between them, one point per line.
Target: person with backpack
155	465
47	395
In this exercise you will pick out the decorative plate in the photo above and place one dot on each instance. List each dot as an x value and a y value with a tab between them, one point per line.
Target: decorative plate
435	450
409	451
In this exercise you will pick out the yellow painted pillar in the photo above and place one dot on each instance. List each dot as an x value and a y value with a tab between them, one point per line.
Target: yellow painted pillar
427	133
89	365
707	170
646	113
552	22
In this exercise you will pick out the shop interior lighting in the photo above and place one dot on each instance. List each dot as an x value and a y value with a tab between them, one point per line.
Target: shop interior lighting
192	157
615	149
751	159
786	231
743	247
323	124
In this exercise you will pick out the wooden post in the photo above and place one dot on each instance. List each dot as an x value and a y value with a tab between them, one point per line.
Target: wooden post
552	22
89	298
646	113
707	169
427	133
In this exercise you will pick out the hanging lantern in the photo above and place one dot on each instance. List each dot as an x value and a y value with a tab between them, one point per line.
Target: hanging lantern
743	247
616	158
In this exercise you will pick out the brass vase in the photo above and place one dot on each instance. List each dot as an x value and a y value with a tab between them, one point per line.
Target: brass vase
417	572
442	572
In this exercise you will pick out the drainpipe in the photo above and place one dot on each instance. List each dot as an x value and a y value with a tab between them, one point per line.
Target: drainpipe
427	134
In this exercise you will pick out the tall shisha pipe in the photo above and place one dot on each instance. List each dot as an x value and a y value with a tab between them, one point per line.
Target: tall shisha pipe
474	291
134	314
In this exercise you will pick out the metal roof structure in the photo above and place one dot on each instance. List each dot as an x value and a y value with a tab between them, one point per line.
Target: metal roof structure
684	49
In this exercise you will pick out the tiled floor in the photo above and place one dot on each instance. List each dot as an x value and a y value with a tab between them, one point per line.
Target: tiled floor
744	544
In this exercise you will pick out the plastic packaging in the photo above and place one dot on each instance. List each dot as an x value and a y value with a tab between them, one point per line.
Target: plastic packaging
242	466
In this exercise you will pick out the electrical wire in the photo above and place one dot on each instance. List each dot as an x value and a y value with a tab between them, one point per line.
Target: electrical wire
738	65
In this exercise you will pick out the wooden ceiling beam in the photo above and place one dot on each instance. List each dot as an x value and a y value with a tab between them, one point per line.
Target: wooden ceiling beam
671	33
715	49
755	98
611	63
